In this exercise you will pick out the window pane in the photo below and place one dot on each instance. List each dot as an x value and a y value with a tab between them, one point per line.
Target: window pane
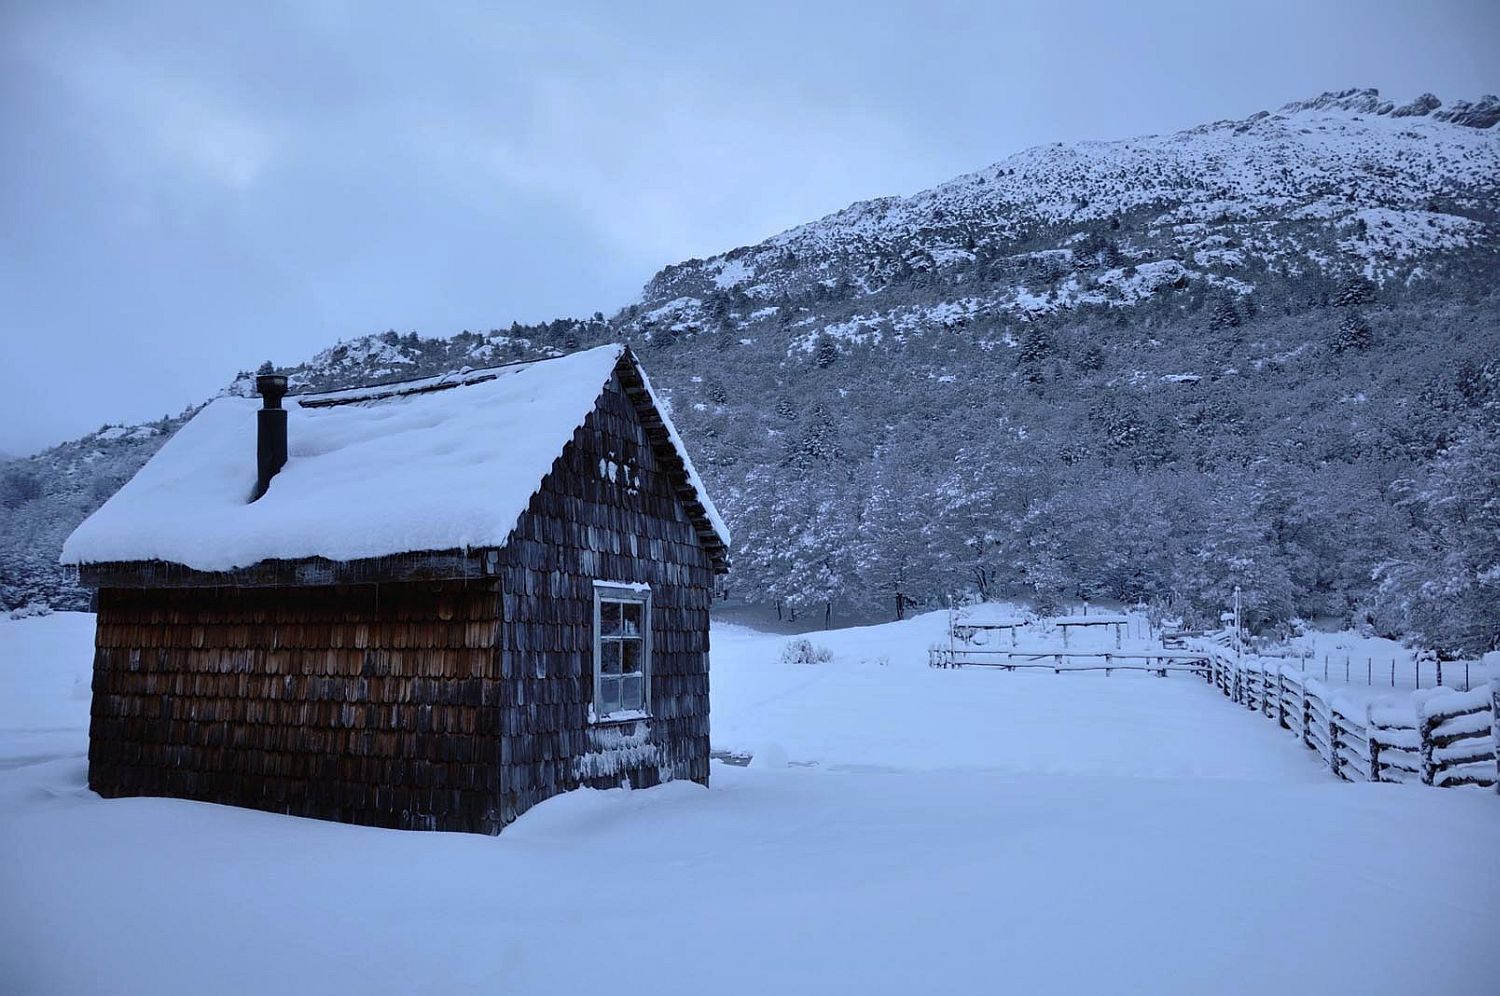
633	694
631	656
609	695
609	654
632	611
609	618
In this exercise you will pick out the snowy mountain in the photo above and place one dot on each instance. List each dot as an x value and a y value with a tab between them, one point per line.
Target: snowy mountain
1257	352
1341	184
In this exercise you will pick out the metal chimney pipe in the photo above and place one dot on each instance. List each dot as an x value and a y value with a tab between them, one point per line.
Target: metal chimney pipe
270	437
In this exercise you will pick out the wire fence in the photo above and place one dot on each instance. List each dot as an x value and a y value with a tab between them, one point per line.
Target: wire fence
1391	672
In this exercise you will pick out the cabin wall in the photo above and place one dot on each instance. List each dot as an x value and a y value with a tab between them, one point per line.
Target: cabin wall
369	704
608	511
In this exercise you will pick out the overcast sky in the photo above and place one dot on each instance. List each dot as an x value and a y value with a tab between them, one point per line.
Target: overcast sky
189	189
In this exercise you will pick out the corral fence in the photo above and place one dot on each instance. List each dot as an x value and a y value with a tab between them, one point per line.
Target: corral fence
1158	663
1441	737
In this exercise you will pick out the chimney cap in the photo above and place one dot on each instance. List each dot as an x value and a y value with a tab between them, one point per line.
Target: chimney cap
271	387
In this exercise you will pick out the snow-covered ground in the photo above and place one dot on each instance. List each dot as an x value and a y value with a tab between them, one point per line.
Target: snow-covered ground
902	830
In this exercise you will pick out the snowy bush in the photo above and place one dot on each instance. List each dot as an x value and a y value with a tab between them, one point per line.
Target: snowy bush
805	652
30	610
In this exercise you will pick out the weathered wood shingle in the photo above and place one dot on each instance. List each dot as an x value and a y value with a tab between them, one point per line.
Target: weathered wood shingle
372	704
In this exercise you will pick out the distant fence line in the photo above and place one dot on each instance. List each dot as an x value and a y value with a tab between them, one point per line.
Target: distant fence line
1445	738
1386	671
1442	737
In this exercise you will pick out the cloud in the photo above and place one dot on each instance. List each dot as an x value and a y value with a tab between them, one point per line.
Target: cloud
153	124
665	169
643	134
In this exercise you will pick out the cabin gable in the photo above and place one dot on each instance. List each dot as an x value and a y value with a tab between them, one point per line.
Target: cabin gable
609	511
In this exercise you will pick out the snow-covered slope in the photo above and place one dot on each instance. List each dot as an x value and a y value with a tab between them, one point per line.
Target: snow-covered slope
1346	182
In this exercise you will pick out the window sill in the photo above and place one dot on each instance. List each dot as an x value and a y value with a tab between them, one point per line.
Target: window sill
619	717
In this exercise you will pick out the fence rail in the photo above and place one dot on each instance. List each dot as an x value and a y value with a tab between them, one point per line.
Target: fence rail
1446	738
1067	660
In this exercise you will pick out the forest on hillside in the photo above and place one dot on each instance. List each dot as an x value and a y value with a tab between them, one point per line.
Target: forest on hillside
1336	457
1333	458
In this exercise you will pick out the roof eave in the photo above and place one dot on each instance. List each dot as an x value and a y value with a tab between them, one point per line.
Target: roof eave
660	432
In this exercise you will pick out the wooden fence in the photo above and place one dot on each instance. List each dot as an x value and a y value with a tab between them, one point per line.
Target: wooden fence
1445	738
1155	662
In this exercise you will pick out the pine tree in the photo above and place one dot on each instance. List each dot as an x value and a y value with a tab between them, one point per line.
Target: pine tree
894	555
1353	292
1353	333
826	352
1225	314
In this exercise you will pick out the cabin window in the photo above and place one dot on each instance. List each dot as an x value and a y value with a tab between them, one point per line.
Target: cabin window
622	651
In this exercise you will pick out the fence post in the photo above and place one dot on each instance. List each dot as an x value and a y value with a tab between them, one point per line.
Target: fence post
1281	699
1374	744
1425	726
1492	667
1335	762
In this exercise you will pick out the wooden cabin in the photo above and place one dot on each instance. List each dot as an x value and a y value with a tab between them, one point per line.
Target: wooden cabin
428	605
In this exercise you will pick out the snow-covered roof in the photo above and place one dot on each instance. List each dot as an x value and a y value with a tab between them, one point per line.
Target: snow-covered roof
370	472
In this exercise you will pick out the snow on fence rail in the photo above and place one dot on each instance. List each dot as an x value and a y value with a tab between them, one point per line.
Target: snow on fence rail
1069	660
1443	738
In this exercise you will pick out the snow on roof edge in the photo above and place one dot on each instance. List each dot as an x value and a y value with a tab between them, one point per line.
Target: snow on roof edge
714	518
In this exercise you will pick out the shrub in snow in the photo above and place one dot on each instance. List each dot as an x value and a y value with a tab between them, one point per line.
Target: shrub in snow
30	610
805	652
771	755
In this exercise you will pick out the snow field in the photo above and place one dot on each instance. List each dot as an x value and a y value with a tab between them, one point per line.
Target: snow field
935	831
877	705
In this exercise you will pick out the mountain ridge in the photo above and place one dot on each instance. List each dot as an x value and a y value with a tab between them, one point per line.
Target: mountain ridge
1288	182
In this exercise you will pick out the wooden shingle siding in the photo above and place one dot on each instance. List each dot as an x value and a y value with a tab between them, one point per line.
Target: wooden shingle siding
627	524
370	704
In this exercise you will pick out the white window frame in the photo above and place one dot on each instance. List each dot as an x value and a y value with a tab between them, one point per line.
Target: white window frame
623	593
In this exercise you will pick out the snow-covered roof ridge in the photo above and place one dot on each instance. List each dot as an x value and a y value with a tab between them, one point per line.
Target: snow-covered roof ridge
399	468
